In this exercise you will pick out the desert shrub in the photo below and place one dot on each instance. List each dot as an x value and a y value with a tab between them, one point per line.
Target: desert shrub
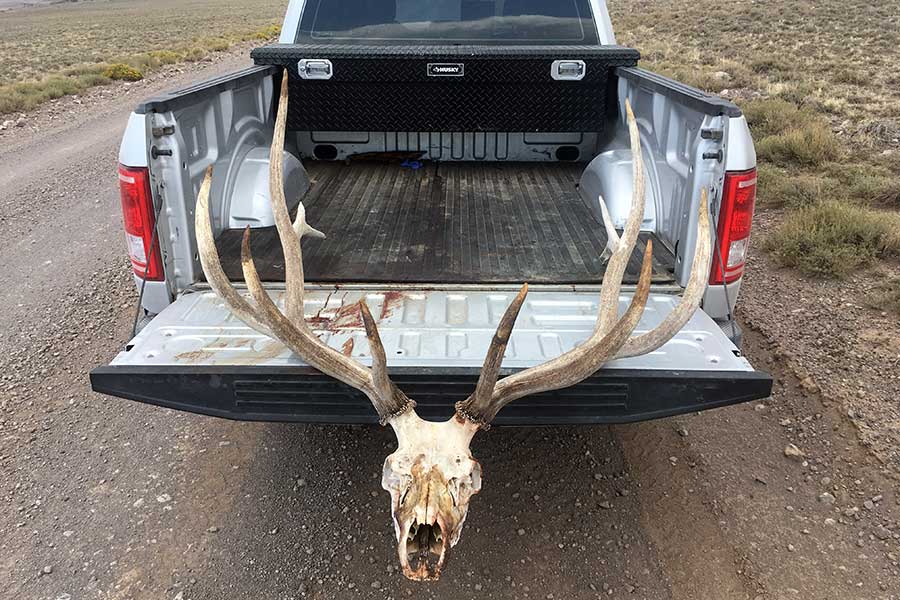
91	79
122	72
834	238
142	62
851	76
778	188
216	44
57	87
872	183
874	188
699	78
27	95
166	57
775	116
807	146
767	65
265	33
834	105
84	69
195	53
797	93
889	195
768	181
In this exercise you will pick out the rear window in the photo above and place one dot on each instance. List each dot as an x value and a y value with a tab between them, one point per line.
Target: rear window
449	21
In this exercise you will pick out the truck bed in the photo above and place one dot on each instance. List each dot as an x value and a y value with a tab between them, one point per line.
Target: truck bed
447	222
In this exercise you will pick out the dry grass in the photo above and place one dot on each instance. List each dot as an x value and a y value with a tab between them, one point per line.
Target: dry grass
779	188
835	238
65	48
809	146
819	88
789	135
837	52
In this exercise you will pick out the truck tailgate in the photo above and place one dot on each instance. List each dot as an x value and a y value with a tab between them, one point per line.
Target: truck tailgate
197	356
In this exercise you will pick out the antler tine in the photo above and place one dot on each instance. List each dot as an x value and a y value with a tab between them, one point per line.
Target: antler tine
395	401
567	369
290	237
690	299
487	380
615	268
212	267
388	401
302	228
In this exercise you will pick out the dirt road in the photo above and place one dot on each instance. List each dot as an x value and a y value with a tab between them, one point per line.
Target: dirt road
104	498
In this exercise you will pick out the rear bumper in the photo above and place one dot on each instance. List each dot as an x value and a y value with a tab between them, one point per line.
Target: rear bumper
302	394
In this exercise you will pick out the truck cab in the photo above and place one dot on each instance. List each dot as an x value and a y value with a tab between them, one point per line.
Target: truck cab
450	151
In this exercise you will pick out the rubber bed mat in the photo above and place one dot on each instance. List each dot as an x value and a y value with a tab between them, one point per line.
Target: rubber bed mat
448	222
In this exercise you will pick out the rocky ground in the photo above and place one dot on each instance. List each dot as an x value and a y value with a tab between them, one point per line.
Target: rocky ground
830	336
793	497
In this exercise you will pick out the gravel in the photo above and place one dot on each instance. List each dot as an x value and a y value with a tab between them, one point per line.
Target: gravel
825	333
793	452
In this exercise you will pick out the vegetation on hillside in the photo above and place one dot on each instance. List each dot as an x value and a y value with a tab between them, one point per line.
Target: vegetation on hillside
817	85
66	48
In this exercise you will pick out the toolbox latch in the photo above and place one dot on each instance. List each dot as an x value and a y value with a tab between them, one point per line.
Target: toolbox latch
315	68
572	70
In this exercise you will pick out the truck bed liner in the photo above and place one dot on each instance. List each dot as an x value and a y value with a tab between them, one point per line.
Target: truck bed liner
446	222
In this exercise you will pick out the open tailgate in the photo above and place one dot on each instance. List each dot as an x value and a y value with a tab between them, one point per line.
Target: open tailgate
196	356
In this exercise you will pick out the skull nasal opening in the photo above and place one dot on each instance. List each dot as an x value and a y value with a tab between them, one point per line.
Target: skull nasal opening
424	539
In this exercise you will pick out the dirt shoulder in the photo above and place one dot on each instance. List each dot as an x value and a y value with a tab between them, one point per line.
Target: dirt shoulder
826	333
726	503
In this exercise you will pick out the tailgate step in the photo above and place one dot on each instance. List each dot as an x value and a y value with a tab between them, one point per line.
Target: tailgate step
301	394
197	356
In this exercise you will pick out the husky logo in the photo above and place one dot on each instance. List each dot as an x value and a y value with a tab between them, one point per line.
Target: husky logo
446	69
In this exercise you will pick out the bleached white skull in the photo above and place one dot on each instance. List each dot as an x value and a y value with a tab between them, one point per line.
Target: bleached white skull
431	478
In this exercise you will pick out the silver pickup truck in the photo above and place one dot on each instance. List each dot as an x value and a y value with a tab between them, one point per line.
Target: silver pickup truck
451	151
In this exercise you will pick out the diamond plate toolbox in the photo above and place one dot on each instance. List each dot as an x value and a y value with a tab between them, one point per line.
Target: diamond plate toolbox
448	88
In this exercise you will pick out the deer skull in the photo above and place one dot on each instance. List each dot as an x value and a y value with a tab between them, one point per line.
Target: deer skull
431	478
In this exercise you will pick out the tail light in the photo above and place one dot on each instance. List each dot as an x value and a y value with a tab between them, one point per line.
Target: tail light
735	219
137	210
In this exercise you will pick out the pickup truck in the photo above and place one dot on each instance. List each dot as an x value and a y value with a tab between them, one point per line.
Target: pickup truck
451	151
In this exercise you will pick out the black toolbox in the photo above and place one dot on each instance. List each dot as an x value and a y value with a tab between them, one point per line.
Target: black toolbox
448	88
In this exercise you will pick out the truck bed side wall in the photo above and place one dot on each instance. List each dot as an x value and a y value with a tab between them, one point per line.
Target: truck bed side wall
217	122
690	140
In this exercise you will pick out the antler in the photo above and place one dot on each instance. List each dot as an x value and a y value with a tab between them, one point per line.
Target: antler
690	298
291	327
610	338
